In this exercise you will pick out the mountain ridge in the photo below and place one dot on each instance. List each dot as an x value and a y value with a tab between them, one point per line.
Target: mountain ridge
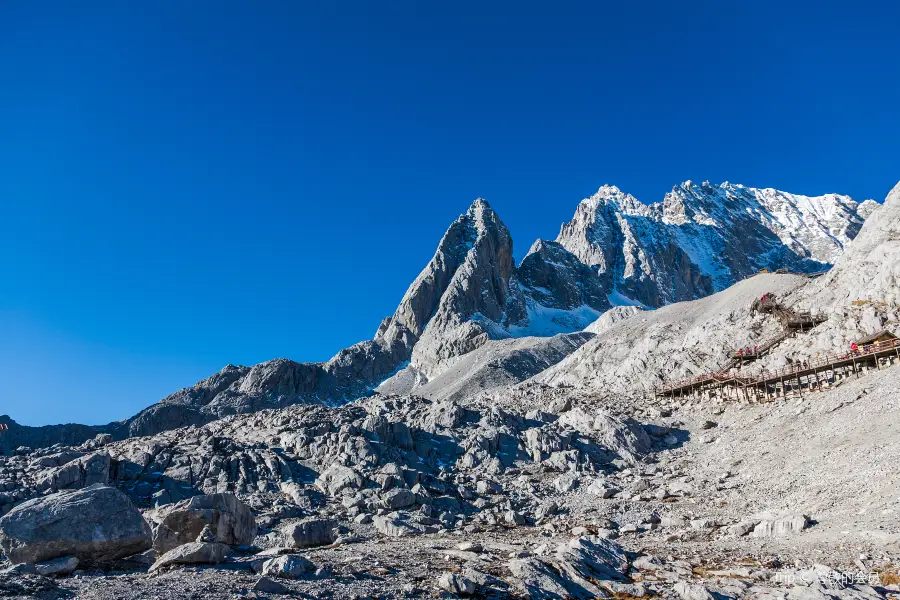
615	250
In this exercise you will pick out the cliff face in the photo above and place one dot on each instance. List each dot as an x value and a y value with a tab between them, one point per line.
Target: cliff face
704	238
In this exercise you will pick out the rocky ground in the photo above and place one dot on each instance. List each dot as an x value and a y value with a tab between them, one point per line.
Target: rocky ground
406	497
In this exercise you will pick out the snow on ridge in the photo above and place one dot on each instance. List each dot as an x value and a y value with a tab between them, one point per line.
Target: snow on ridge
661	252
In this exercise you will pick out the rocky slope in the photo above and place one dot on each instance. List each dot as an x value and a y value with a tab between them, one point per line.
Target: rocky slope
538	495
496	364
634	355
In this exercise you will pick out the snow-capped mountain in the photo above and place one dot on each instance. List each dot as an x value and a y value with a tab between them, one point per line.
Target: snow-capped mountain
703	238
615	251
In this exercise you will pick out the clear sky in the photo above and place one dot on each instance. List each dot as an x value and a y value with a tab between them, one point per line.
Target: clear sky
188	184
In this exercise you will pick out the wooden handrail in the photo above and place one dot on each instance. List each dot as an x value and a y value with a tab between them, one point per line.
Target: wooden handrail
829	359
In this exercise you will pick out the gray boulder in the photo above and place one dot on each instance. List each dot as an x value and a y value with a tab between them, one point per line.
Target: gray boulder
574	571
229	519
394	527
311	533
193	553
337	478
456	584
58	566
784	526
537	579
398	498
77	474
688	591
96	524
289	566
270	586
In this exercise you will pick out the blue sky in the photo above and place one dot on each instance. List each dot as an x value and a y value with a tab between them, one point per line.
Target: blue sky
188	184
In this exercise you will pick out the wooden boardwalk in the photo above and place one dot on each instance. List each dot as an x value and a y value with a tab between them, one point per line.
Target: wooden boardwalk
807	376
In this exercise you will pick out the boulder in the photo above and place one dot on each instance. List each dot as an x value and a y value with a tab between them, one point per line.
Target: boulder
624	437
394	528
289	566
574	571
545	510
229	519
456	584
96	524
76	474
398	498
311	533
781	527
537	578
337	478
600	488
512	517
565	483
270	586
58	566
688	591
742	528
593	558
193	553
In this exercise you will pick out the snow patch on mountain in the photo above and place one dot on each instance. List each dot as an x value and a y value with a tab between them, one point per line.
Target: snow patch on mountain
544	321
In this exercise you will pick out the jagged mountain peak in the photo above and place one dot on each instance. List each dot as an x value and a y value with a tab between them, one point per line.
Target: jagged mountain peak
612	196
704	237
479	206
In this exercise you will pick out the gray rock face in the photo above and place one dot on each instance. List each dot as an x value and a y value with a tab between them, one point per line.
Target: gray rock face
398	498
270	586
229	520
58	566
869	272
474	298
337	478
95	525
553	277
476	238
574	571
76	474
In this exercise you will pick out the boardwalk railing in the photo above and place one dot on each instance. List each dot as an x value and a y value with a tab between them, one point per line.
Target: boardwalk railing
788	372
